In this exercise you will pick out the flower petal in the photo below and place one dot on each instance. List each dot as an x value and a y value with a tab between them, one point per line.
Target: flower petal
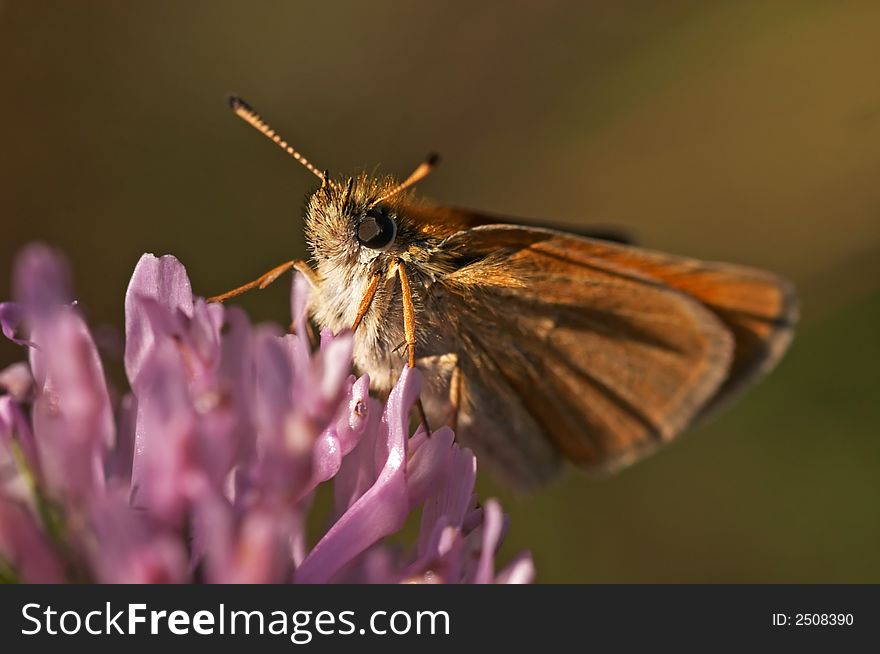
519	571
252	548
25	548
15	432
452	499
358	471
340	439
11	315
164	280
17	381
131	548
285	435
429	461
353	421
166	473
299	303
119	460
383	508
41	279
320	390
493	525
72	416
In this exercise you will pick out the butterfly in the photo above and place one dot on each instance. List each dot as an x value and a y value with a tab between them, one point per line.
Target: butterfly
537	345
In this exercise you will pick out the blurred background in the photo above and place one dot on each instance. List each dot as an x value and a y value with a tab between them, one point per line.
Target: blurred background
745	131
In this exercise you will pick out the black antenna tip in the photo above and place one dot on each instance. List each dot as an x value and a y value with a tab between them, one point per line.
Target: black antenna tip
433	159
235	103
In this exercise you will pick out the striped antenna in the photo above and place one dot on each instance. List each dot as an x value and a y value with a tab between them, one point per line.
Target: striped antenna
415	177
244	111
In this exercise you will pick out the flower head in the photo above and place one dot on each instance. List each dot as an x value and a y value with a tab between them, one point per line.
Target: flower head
207	469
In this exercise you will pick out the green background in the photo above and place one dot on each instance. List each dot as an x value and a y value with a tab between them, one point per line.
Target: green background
744	131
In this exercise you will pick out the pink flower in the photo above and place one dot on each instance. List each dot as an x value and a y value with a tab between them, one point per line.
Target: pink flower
206	471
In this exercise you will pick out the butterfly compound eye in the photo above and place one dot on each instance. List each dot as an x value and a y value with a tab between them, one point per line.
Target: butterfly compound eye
376	230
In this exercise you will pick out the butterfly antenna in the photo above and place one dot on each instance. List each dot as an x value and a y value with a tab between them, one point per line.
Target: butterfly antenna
414	178
244	111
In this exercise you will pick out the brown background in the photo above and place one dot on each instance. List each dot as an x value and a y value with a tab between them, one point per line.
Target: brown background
746	131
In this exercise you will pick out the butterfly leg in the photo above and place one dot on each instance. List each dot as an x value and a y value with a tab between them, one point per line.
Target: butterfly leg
366	301
455	396
409	316
267	278
409	332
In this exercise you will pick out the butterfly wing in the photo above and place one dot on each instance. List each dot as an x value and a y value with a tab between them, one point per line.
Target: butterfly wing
759	307
607	351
